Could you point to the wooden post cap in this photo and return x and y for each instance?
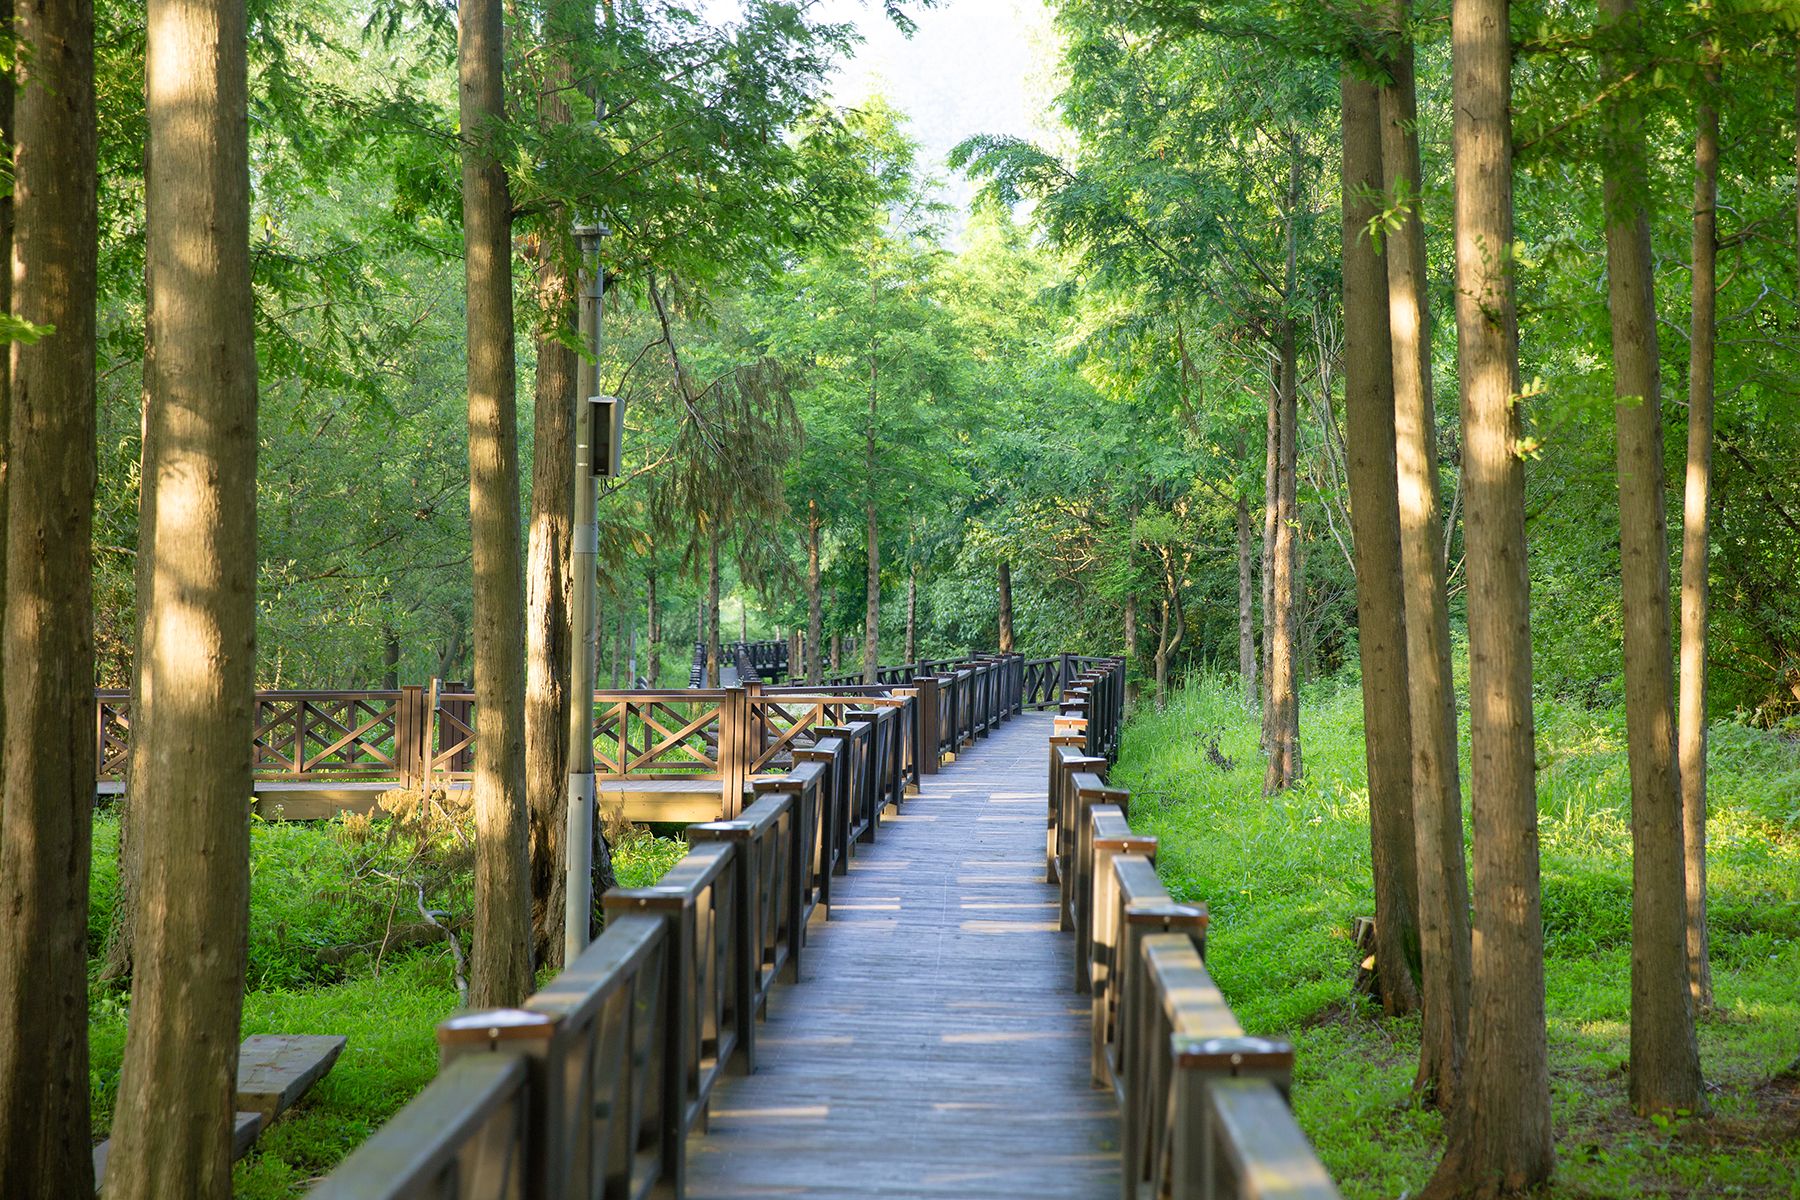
(493, 1026)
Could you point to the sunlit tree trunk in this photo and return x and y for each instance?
(547, 582)
(1665, 1060)
(1695, 596)
(837, 652)
(1375, 525)
(1006, 608)
(1246, 565)
(815, 625)
(1170, 628)
(1498, 1133)
(172, 1124)
(1271, 517)
(48, 641)
(1284, 698)
(500, 970)
(1441, 877)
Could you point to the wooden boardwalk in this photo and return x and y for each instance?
(935, 1046)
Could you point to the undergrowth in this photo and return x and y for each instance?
(1285, 877)
(323, 899)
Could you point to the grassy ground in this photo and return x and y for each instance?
(321, 902)
(1284, 878)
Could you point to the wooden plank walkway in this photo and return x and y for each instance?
(936, 1047)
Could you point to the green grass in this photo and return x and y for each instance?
(1285, 876)
(314, 891)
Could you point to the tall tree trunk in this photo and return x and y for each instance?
(1375, 525)
(1695, 597)
(1246, 563)
(713, 661)
(837, 652)
(1498, 1136)
(1665, 1058)
(48, 761)
(6, 306)
(500, 971)
(548, 585)
(1284, 749)
(1271, 517)
(1006, 608)
(912, 613)
(815, 626)
(1441, 877)
(172, 1124)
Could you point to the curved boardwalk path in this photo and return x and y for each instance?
(938, 1048)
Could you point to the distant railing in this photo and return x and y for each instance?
(1203, 1108)
(592, 1087)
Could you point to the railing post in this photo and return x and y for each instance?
(734, 744)
(531, 1036)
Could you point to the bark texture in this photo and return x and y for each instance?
(1498, 1135)
(1665, 1058)
(500, 970)
(1284, 698)
(48, 721)
(197, 653)
(1695, 540)
(547, 596)
(1441, 875)
(1375, 528)
(1271, 515)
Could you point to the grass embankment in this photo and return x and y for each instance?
(322, 902)
(1285, 877)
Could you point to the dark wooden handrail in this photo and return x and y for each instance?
(592, 1087)
(1203, 1107)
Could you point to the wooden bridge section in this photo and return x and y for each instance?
(978, 989)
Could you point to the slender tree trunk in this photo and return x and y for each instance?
(6, 306)
(837, 653)
(1284, 750)
(815, 627)
(548, 585)
(1665, 1059)
(1006, 608)
(1499, 1131)
(713, 658)
(912, 613)
(1246, 564)
(1131, 629)
(172, 1124)
(1695, 597)
(652, 632)
(872, 592)
(48, 763)
(618, 643)
(1441, 877)
(500, 972)
(1271, 517)
(1375, 523)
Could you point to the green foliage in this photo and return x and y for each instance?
(316, 893)
(1284, 878)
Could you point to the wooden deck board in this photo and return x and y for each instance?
(935, 1047)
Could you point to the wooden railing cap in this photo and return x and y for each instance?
(495, 1025)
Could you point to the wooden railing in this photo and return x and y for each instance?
(593, 1086)
(424, 737)
(1203, 1107)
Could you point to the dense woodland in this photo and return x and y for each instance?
(1446, 348)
